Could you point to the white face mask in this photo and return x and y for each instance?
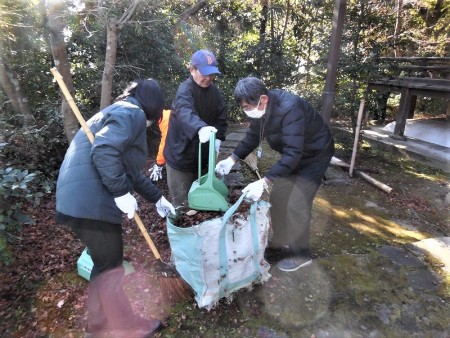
(255, 113)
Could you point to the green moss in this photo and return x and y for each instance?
(350, 289)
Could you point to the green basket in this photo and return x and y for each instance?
(85, 265)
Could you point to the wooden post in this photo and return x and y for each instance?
(357, 130)
(402, 115)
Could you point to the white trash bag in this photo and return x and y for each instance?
(220, 256)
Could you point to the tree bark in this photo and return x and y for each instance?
(110, 61)
(15, 94)
(113, 29)
(61, 60)
(192, 10)
(259, 60)
(335, 47)
(398, 27)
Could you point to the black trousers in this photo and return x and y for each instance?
(107, 303)
(292, 200)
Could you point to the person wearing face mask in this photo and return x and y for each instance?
(197, 110)
(95, 189)
(292, 127)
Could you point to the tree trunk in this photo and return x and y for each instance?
(113, 28)
(310, 40)
(262, 36)
(110, 61)
(398, 27)
(15, 94)
(61, 60)
(335, 48)
(355, 61)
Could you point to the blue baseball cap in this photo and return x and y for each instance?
(205, 62)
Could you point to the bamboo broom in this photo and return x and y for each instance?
(172, 285)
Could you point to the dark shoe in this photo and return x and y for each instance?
(141, 328)
(278, 247)
(293, 263)
(275, 254)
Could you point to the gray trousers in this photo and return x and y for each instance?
(292, 200)
(179, 183)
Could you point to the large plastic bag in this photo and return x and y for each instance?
(220, 256)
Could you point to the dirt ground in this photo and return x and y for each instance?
(366, 280)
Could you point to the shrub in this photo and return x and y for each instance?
(17, 188)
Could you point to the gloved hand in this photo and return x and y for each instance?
(254, 190)
(164, 207)
(156, 172)
(218, 142)
(127, 204)
(205, 132)
(224, 166)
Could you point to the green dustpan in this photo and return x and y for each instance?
(208, 192)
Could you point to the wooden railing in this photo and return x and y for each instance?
(411, 77)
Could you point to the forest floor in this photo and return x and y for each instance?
(371, 276)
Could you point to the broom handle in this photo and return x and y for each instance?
(144, 232)
(71, 102)
(90, 136)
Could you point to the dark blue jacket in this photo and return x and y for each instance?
(193, 107)
(92, 175)
(293, 128)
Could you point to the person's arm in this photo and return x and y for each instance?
(144, 187)
(109, 144)
(184, 108)
(293, 139)
(250, 141)
(156, 172)
(163, 126)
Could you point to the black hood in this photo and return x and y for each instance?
(150, 96)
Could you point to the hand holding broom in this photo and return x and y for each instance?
(172, 285)
(252, 161)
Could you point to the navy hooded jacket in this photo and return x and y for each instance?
(91, 176)
(293, 128)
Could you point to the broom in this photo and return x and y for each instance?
(172, 285)
(252, 161)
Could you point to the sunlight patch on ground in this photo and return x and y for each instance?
(439, 248)
(431, 178)
(385, 227)
(370, 224)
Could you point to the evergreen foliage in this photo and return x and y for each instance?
(286, 43)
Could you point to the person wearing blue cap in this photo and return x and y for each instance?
(197, 109)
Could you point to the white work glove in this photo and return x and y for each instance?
(156, 173)
(127, 204)
(224, 166)
(164, 207)
(254, 190)
(218, 142)
(205, 132)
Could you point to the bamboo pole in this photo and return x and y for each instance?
(58, 77)
(355, 144)
(371, 180)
